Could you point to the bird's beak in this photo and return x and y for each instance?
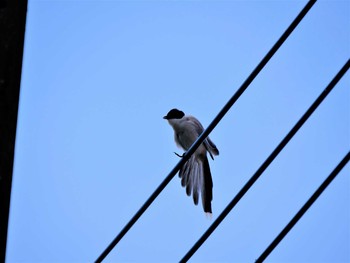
(165, 117)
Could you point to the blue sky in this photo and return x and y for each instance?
(92, 145)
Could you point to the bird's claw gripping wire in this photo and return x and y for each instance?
(179, 154)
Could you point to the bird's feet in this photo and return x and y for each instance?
(179, 155)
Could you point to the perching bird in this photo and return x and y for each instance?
(195, 174)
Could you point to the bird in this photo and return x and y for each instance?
(195, 173)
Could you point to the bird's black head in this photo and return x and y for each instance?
(174, 114)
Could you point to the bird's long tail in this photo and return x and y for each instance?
(196, 177)
(207, 186)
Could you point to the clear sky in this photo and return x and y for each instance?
(98, 76)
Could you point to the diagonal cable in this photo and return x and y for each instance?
(267, 162)
(206, 132)
(305, 207)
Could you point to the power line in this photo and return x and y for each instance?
(267, 162)
(305, 207)
(206, 132)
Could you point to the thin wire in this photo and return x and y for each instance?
(305, 207)
(267, 162)
(206, 132)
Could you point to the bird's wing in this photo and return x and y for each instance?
(209, 145)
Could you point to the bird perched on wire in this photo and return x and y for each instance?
(195, 173)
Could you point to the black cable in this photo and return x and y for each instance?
(267, 162)
(206, 132)
(305, 207)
